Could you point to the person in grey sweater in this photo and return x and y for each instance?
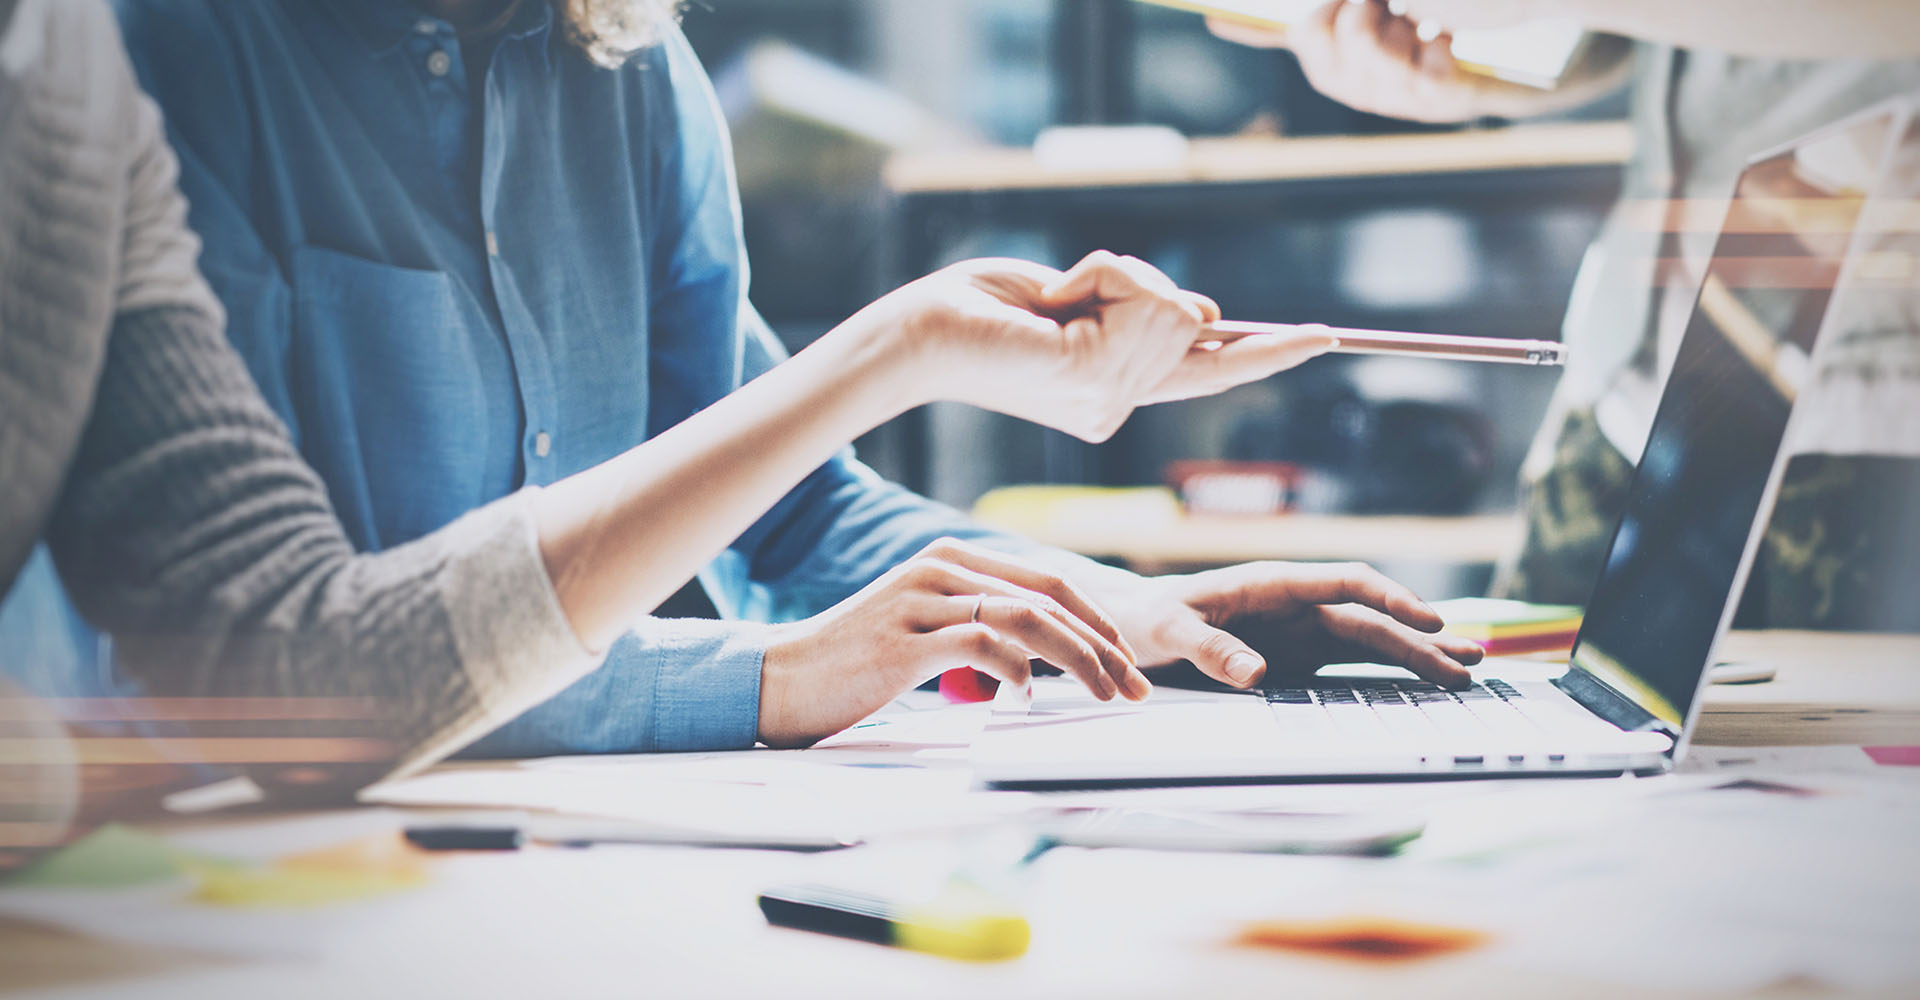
(183, 520)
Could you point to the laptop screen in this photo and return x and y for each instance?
(1669, 577)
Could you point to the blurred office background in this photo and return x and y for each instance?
(824, 94)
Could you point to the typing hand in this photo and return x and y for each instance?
(952, 605)
(1304, 616)
(1079, 350)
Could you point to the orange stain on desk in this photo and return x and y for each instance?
(1361, 938)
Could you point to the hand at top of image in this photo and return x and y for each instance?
(1369, 58)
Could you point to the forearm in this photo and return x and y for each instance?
(1781, 29)
(621, 537)
(192, 530)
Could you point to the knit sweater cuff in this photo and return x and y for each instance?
(515, 644)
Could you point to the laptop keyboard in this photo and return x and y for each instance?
(1407, 712)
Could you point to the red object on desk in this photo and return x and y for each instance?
(965, 684)
(1884, 756)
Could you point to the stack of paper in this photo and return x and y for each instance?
(1510, 628)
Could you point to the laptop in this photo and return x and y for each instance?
(1629, 697)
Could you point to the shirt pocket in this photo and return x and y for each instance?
(403, 392)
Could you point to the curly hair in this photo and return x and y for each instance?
(611, 31)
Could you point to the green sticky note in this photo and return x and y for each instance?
(112, 857)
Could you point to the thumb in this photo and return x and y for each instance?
(1098, 277)
(1217, 653)
(1205, 372)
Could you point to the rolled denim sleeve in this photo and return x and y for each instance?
(671, 685)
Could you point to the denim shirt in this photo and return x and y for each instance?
(452, 283)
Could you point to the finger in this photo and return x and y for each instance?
(1312, 42)
(1435, 58)
(1039, 580)
(1385, 640)
(1147, 276)
(1206, 371)
(1357, 23)
(1041, 632)
(1399, 40)
(1337, 583)
(1098, 277)
(1103, 277)
(977, 572)
(961, 589)
(982, 648)
(1209, 309)
(1227, 333)
(1462, 650)
(1249, 35)
(1217, 653)
(1327, 18)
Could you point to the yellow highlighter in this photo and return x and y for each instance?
(968, 928)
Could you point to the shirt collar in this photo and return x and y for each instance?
(380, 24)
(383, 24)
(533, 22)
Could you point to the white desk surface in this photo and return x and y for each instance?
(672, 922)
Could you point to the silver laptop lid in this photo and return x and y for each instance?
(1697, 505)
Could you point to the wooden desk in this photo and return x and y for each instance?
(1832, 688)
(681, 922)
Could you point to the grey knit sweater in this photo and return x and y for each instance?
(179, 513)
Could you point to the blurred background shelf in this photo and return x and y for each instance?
(1147, 530)
(1278, 203)
(1246, 159)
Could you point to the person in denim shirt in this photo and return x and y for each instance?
(470, 246)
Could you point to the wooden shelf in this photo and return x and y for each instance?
(1242, 160)
(1146, 527)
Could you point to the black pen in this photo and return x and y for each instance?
(971, 929)
(568, 833)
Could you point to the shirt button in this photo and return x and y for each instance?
(438, 62)
(493, 244)
(426, 26)
(542, 444)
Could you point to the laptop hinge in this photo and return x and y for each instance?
(1603, 701)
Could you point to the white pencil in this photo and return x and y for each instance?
(1442, 346)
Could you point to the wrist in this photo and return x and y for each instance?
(775, 694)
(783, 716)
(885, 358)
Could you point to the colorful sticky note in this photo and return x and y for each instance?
(112, 857)
(373, 866)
